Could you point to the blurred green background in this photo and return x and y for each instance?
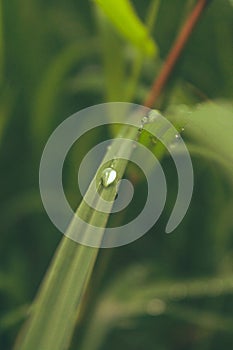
(162, 291)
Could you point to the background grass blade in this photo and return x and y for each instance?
(2, 48)
(124, 18)
(210, 128)
(131, 296)
(47, 94)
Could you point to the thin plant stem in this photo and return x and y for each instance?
(175, 52)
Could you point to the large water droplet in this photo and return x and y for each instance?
(108, 177)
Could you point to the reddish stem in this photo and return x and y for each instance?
(175, 53)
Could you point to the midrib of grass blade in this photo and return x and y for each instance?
(54, 312)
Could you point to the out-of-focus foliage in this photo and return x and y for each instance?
(210, 126)
(57, 57)
(123, 16)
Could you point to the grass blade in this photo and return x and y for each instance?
(54, 312)
(124, 18)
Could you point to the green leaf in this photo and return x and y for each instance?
(113, 59)
(11, 318)
(133, 294)
(124, 18)
(1, 44)
(55, 310)
(202, 318)
(44, 102)
(210, 127)
(7, 100)
(137, 64)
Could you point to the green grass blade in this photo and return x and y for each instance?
(54, 312)
(124, 18)
(1, 44)
(51, 84)
(210, 127)
(130, 295)
(139, 59)
(113, 59)
(13, 317)
(206, 319)
(7, 100)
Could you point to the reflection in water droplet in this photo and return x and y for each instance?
(108, 177)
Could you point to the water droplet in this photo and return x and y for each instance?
(144, 120)
(140, 128)
(150, 118)
(175, 141)
(153, 115)
(153, 140)
(108, 177)
(182, 129)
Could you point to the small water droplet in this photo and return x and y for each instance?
(182, 129)
(144, 120)
(153, 115)
(108, 177)
(175, 141)
(140, 128)
(150, 117)
(153, 140)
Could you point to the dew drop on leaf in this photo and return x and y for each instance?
(175, 141)
(108, 177)
(150, 118)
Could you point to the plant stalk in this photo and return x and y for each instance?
(174, 54)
